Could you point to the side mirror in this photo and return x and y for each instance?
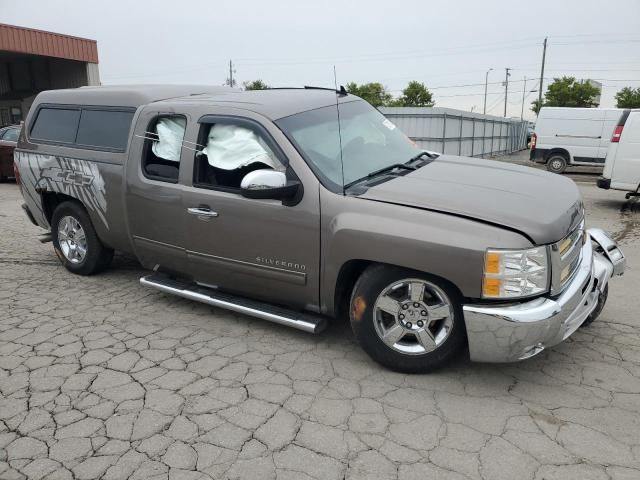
(265, 184)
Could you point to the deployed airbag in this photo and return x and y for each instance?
(230, 147)
(170, 132)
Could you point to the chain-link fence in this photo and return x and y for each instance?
(457, 132)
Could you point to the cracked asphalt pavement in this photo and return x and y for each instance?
(102, 378)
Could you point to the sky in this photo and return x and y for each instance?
(449, 46)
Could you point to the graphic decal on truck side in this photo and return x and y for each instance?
(79, 179)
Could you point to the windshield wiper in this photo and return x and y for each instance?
(419, 156)
(375, 173)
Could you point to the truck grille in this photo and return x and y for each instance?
(566, 256)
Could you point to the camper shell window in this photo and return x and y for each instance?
(104, 129)
(56, 125)
(88, 127)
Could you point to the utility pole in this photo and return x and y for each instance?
(524, 89)
(544, 54)
(230, 73)
(486, 80)
(506, 89)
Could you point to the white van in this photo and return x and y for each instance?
(572, 136)
(622, 167)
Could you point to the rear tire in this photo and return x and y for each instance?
(425, 328)
(557, 163)
(75, 240)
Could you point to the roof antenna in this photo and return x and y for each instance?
(338, 94)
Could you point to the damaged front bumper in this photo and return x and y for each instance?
(508, 333)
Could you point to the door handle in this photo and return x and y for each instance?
(202, 212)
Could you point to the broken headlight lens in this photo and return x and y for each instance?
(515, 273)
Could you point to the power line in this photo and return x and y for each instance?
(471, 94)
(495, 104)
(601, 42)
(500, 83)
(502, 45)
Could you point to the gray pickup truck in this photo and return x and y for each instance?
(298, 205)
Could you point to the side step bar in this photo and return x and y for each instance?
(306, 322)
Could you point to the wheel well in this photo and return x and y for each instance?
(51, 200)
(558, 151)
(349, 274)
(347, 277)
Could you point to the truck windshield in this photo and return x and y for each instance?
(369, 142)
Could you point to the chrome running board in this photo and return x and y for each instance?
(306, 322)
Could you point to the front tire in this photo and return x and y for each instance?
(75, 240)
(557, 163)
(407, 321)
(602, 300)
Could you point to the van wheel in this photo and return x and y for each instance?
(405, 320)
(557, 163)
(75, 240)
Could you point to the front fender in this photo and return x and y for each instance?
(440, 244)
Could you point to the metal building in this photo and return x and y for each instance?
(457, 132)
(35, 60)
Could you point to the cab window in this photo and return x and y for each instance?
(162, 148)
(226, 152)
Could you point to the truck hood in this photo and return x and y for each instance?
(543, 206)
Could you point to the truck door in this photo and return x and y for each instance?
(258, 248)
(153, 191)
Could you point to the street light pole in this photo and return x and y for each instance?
(486, 80)
(544, 55)
(506, 89)
(524, 89)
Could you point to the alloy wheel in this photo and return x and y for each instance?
(72, 239)
(413, 316)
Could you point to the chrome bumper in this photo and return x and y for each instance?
(507, 333)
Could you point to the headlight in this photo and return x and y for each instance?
(515, 273)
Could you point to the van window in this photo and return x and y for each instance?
(162, 148)
(227, 152)
(108, 129)
(56, 125)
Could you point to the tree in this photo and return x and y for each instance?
(569, 92)
(375, 93)
(415, 95)
(628, 98)
(255, 85)
(535, 107)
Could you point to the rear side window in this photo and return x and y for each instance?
(56, 125)
(163, 147)
(108, 129)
